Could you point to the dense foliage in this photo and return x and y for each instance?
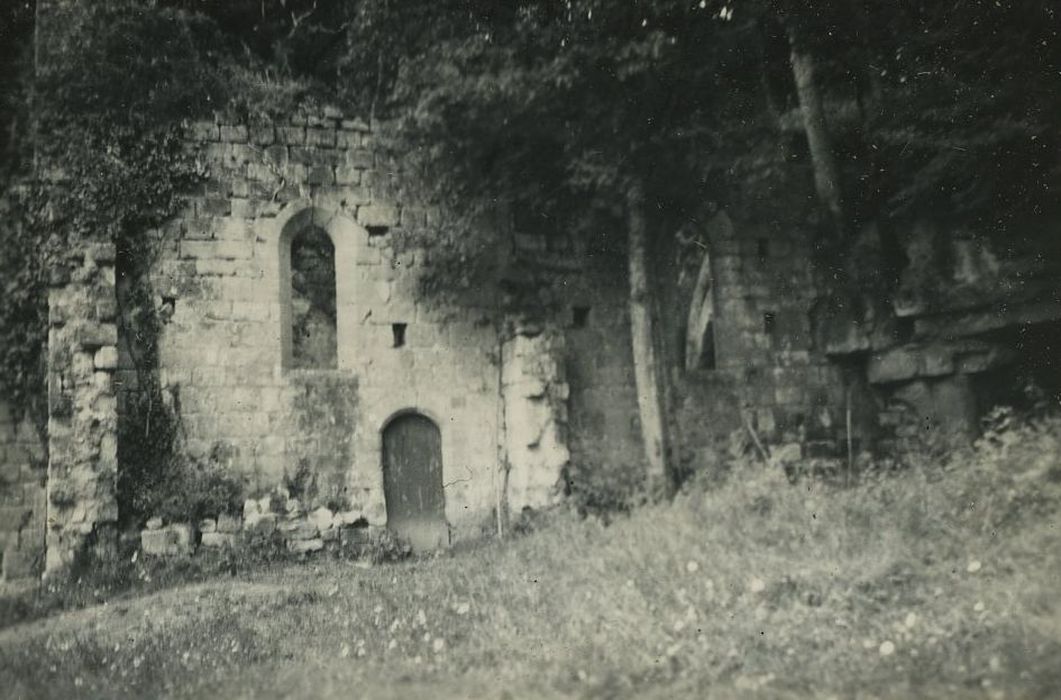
(549, 110)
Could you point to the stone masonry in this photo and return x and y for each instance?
(516, 402)
(223, 282)
(82, 407)
(23, 474)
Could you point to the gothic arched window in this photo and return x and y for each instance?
(313, 312)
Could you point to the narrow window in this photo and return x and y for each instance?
(769, 323)
(398, 330)
(579, 316)
(762, 250)
(707, 350)
(313, 314)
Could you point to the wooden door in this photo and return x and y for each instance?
(412, 482)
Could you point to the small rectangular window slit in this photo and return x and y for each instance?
(398, 329)
(769, 322)
(762, 250)
(374, 231)
(579, 316)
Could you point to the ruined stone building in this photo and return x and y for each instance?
(294, 336)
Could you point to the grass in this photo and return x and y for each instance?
(937, 581)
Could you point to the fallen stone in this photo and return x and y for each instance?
(154, 523)
(300, 546)
(218, 540)
(299, 530)
(157, 543)
(227, 523)
(184, 537)
(321, 518)
(347, 517)
(331, 534)
(251, 506)
(293, 506)
(207, 525)
(260, 524)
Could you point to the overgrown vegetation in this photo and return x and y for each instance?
(103, 161)
(555, 112)
(936, 582)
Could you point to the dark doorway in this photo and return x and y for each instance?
(412, 482)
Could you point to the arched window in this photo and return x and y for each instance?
(313, 313)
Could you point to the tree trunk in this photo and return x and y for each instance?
(826, 176)
(647, 376)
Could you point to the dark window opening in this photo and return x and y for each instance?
(858, 311)
(707, 350)
(769, 323)
(374, 231)
(398, 330)
(579, 316)
(904, 329)
(313, 307)
(762, 250)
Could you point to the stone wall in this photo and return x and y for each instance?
(222, 284)
(23, 473)
(972, 321)
(768, 376)
(82, 406)
(535, 393)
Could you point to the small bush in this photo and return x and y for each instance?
(191, 490)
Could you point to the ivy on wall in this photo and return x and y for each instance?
(102, 156)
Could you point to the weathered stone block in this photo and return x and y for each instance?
(291, 135)
(234, 134)
(207, 525)
(227, 523)
(106, 358)
(377, 215)
(94, 335)
(354, 124)
(204, 131)
(303, 546)
(215, 206)
(19, 562)
(321, 518)
(896, 365)
(219, 540)
(259, 524)
(157, 543)
(347, 175)
(299, 530)
(347, 518)
(320, 175)
(320, 137)
(359, 158)
(263, 135)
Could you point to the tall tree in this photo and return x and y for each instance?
(608, 116)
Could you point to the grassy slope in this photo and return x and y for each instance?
(938, 582)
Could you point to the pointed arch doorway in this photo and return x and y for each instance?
(412, 481)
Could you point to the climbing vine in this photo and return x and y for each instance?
(102, 157)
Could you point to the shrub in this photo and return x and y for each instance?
(190, 490)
